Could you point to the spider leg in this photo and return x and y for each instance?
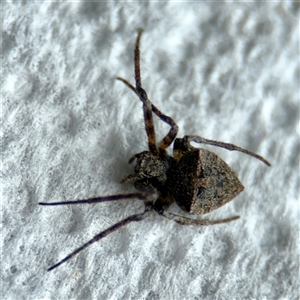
(147, 106)
(169, 138)
(230, 147)
(162, 205)
(148, 199)
(137, 69)
(101, 235)
(140, 196)
(200, 222)
(128, 84)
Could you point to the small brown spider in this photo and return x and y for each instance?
(196, 179)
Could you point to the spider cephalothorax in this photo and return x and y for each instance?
(196, 179)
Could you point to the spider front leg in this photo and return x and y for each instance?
(147, 105)
(169, 138)
(148, 108)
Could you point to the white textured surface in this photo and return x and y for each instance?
(226, 71)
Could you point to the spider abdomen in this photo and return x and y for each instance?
(202, 182)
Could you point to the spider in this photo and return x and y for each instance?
(196, 179)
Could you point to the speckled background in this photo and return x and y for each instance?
(226, 71)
